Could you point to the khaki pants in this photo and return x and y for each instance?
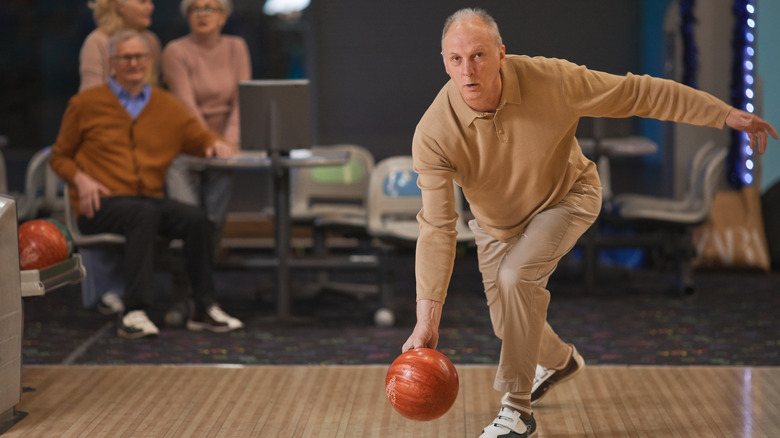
(515, 275)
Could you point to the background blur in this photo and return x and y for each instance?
(375, 66)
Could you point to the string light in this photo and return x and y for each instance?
(743, 90)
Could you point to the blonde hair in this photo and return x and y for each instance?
(106, 16)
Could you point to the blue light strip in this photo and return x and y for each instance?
(741, 165)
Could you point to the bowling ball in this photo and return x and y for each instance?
(65, 232)
(41, 244)
(422, 384)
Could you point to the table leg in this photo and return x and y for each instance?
(282, 241)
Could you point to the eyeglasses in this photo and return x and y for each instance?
(204, 11)
(126, 59)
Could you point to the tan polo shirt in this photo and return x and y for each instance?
(524, 158)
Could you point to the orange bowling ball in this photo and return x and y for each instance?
(41, 244)
(422, 384)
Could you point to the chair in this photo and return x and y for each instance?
(169, 250)
(334, 192)
(394, 199)
(88, 240)
(43, 191)
(667, 224)
(333, 200)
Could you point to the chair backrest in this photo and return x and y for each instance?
(43, 190)
(332, 190)
(87, 240)
(708, 177)
(696, 169)
(394, 199)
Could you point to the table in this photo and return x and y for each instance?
(280, 169)
(623, 146)
(601, 149)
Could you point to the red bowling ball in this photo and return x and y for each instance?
(422, 384)
(41, 244)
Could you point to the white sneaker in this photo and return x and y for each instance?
(509, 424)
(213, 319)
(136, 324)
(110, 304)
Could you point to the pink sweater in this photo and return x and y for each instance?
(206, 80)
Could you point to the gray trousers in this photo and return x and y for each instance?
(515, 275)
(188, 185)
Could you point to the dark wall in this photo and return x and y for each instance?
(375, 66)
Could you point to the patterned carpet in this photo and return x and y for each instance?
(631, 318)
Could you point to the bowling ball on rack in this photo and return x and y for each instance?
(422, 384)
(65, 232)
(41, 244)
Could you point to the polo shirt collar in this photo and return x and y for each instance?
(510, 93)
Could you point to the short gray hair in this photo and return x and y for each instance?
(122, 36)
(468, 13)
(226, 5)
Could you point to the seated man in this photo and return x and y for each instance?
(114, 147)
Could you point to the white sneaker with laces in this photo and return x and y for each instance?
(136, 324)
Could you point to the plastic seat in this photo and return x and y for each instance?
(667, 224)
(335, 193)
(43, 190)
(693, 207)
(88, 240)
(332, 200)
(169, 251)
(395, 199)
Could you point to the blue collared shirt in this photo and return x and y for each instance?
(133, 104)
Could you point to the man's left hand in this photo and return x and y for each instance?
(222, 149)
(757, 129)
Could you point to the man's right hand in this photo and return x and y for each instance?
(426, 331)
(89, 190)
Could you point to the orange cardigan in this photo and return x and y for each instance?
(130, 157)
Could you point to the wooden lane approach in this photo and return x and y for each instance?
(349, 401)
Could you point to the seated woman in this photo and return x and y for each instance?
(203, 69)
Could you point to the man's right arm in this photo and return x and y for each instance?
(63, 163)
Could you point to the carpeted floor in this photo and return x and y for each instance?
(631, 318)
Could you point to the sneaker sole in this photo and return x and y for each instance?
(580, 367)
(199, 327)
(135, 335)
